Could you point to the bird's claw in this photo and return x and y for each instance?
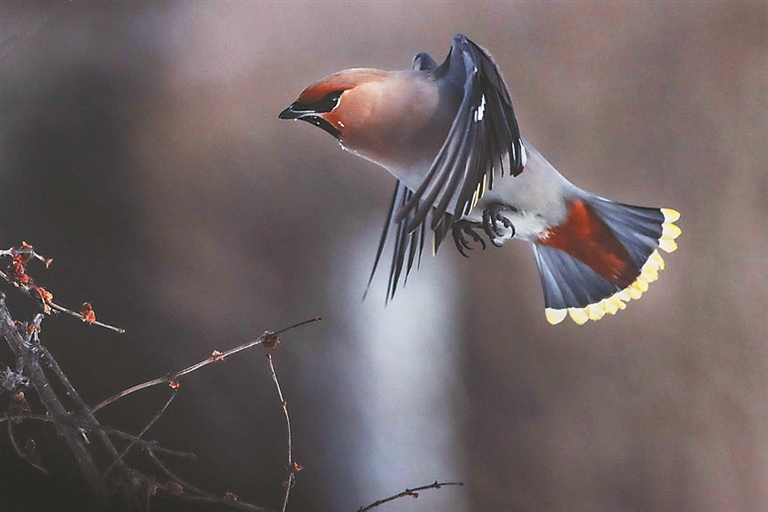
(461, 230)
(496, 225)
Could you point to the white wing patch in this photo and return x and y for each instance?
(480, 111)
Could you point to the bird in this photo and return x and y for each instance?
(450, 136)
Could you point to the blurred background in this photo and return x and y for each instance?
(140, 148)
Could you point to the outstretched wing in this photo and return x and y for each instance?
(483, 142)
(408, 244)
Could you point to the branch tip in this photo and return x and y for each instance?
(414, 493)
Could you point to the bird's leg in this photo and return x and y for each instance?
(463, 228)
(496, 225)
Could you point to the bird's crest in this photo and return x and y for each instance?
(341, 81)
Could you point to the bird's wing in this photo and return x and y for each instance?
(483, 142)
(409, 244)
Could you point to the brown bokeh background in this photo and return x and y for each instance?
(140, 148)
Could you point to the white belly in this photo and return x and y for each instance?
(536, 198)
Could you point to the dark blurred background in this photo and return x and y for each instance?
(140, 148)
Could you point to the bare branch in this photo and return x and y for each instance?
(87, 426)
(90, 420)
(62, 309)
(408, 492)
(293, 468)
(35, 364)
(21, 280)
(143, 431)
(172, 378)
(200, 495)
(53, 405)
(172, 476)
(23, 454)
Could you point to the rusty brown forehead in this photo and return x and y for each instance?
(341, 81)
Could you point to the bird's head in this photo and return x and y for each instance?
(337, 102)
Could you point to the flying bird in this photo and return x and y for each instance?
(449, 134)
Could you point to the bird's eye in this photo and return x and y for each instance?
(326, 104)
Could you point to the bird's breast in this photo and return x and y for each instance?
(536, 199)
(400, 123)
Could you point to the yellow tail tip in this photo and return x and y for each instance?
(670, 215)
(648, 274)
(614, 303)
(555, 316)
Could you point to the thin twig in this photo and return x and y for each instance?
(149, 445)
(172, 476)
(202, 495)
(58, 307)
(408, 492)
(32, 356)
(292, 469)
(140, 434)
(216, 356)
(26, 284)
(32, 367)
(62, 309)
(86, 426)
(21, 453)
(90, 419)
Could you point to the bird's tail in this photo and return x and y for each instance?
(602, 256)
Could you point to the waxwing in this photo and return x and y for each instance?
(449, 135)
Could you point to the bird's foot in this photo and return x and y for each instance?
(496, 225)
(463, 229)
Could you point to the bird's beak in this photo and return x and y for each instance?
(311, 117)
(290, 113)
